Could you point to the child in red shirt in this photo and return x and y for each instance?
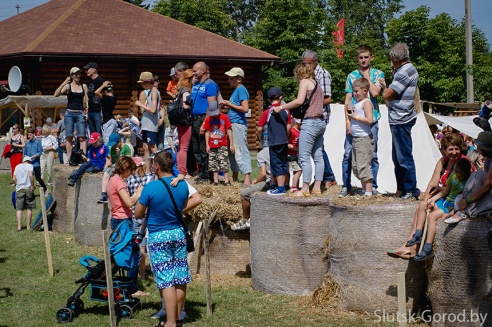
(217, 128)
(292, 158)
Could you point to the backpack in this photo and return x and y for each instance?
(175, 112)
(300, 111)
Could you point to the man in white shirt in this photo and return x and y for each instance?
(24, 191)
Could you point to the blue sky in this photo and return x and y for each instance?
(480, 9)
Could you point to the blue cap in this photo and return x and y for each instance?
(113, 139)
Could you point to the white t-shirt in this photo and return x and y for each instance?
(21, 173)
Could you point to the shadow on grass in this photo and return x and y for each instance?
(5, 292)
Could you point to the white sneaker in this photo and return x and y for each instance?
(240, 225)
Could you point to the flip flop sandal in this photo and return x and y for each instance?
(405, 256)
(316, 192)
(301, 194)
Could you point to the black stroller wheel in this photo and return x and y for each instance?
(125, 311)
(77, 306)
(64, 315)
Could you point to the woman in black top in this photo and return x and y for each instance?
(77, 102)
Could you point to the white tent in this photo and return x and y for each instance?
(425, 151)
(463, 124)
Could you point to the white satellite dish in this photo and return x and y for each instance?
(15, 79)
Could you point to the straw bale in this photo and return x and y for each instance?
(367, 277)
(65, 199)
(460, 274)
(229, 252)
(287, 240)
(219, 203)
(90, 218)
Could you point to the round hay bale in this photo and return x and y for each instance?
(65, 199)
(359, 237)
(287, 240)
(90, 217)
(460, 274)
(229, 252)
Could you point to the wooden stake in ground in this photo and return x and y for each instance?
(424, 234)
(402, 300)
(46, 232)
(208, 286)
(109, 276)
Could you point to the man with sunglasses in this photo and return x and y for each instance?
(376, 79)
(95, 106)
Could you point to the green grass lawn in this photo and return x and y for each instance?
(29, 297)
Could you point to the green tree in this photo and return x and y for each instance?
(437, 48)
(210, 15)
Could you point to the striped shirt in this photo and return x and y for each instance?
(375, 75)
(401, 108)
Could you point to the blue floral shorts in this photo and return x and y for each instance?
(167, 252)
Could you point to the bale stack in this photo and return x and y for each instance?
(287, 240)
(460, 274)
(65, 199)
(359, 237)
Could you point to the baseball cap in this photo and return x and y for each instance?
(94, 137)
(274, 92)
(213, 108)
(91, 65)
(26, 158)
(113, 139)
(138, 161)
(48, 120)
(74, 70)
(146, 77)
(173, 72)
(236, 71)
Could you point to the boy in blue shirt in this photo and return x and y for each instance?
(278, 122)
(96, 160)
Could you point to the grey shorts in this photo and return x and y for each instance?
(25, 199)
(258, 187)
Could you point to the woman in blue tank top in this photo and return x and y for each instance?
(77, 102)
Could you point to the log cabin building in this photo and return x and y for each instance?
(124, 40)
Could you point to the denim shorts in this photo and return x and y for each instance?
(445, 205)
(74, 120)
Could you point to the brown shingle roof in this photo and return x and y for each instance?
(113, 28)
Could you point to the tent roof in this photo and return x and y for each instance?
(114, 28)
(463, 124)
(33, 101)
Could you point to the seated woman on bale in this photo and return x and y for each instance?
(477, 196)
(451, 145)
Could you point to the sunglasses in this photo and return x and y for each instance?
(15, 127)
(364, 57)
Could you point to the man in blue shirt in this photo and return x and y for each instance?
(33, 149)
(203, 91)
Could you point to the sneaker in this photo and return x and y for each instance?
(375, 191)
(215, 184)
(276, 192)
(240, 225)
(103, 199)
(409, 196)
(343, 192)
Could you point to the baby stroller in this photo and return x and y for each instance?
(125, 255)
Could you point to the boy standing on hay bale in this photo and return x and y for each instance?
(217, 128)
(444, 200)
(361, 118)
(278, 123)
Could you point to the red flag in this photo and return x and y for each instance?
(339, 37)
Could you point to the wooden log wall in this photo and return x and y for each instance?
(45, 74)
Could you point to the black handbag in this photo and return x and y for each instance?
(300, 112)
(190, 246)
